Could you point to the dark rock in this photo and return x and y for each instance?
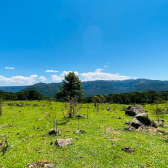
(63, 142)
(53, 132)
(143, 118)
(128, 122)
(128, 149)
(133, 110)
(136, 123)
(79, 116)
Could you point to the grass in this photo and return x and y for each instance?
(26, 129)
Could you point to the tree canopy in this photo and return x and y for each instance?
(71, 88)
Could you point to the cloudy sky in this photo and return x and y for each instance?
(41, 41)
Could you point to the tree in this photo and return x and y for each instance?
(71, 88)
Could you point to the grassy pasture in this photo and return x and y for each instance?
(26, 129)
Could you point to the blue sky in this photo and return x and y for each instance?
(41, 41)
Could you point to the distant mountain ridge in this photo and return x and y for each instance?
(13, 89)
(97, 87)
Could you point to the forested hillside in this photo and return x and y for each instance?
(105, 87)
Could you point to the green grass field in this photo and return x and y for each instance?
(26, 129)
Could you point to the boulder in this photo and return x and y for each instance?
(143, 118)
(63, 142)
(136, 123)
(133, 110)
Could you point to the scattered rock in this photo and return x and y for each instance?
(54, 132)
(63, 142)
(128, 149)
(41, 164)
(151, 130)
(2, 135)
(109, 108)
(133, 110)
(128, 122)
(79, 131)
(77, 138)
(129, 128)
(19, 105)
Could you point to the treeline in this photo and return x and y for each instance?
(132, 98)
(22, 95)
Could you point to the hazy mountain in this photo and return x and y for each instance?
(104, 87)
(96, 87)
(13, 89)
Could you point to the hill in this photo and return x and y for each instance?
(13, 89)
(104, 87)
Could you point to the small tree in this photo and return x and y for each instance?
(71, 88)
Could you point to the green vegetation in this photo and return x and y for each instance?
(101, 87)
(22, 95)
(26, 134)
(71, 88)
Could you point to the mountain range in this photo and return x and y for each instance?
(92, 88)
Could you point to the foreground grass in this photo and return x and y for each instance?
(26, 129)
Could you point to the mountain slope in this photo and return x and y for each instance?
(13, 89)
(104, 87)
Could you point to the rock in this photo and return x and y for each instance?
(133, 110)
(19, 105)
(153, 123)
(63, 142)
(109, 108)
(129, 128)
(143, 118)
(54, 132)
(79, 131)
(4, 125)
(136, 123)
(79, 116)
(128, 122)
(41, 164)
(2, 135)
(128, 149)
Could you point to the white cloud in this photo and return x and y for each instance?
(42, 78)
(105, 66)
(56, 78)
(9, 68)
(66, 72)
(98, 75)
(19, 79)
(51, 71)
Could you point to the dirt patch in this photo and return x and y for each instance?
(112, 130)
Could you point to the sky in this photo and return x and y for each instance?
(41, 41)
